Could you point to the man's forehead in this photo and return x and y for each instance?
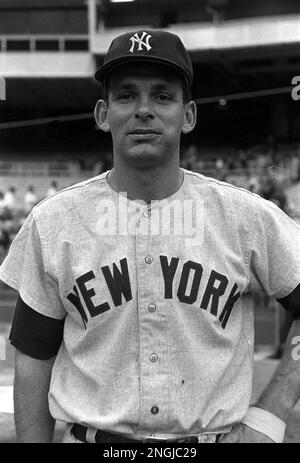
(150, 71)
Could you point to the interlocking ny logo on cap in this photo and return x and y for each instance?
(142, 41)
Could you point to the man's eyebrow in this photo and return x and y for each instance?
(164, 86)
(125, 86)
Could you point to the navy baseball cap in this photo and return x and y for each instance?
(155, 46)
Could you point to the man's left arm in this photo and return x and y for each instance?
(282, 393)
(274, 265)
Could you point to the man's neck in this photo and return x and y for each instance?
(147, 185)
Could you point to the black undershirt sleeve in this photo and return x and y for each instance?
(292, 303)
(35, 334)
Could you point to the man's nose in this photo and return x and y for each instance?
(144, 109)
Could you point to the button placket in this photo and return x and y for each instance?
(152, 365)
(151, 308)
(153, 357)
(154, 410)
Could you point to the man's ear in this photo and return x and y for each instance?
(190, 117)
(100, 114)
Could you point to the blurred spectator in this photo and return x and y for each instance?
(6, 214)
(243, 160)
(230, 163)
(4, 241)
(106, 159)
(295, 169)
(4, 238)
(10, 198)
(200, 165)
(219, 164)
(190, 158)
(98, 167)
(30, 199)
(254, 184)
(272, 190)
(2, 204)
(53, 188)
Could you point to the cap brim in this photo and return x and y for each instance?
(108, 67)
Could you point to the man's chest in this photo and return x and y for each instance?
(100, 276)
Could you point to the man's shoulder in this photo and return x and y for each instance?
(74, 197)
(224, 195)
(217, 187)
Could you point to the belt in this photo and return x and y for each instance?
(105, 437)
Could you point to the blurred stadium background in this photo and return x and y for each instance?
(245, 55)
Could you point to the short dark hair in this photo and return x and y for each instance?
(186, 90)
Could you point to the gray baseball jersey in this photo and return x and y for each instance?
(159, 330)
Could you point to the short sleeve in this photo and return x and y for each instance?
(275, 251)
(26, 268)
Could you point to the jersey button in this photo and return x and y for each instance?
(154, 410)
(147, 213)
(152, 308)
(153, 358)
(148, 259)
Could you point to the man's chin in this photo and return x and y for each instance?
(144, 157)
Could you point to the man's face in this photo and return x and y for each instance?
(146, 114)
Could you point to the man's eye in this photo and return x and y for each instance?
(124, 96)
(164, 97)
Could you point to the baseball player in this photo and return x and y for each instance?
(134, 320)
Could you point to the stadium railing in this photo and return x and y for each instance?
(44, 42)
(41, 169)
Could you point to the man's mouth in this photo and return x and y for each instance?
(144, 135)
(144, 132)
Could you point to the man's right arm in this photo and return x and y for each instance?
(33, 420)
(37, 339)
